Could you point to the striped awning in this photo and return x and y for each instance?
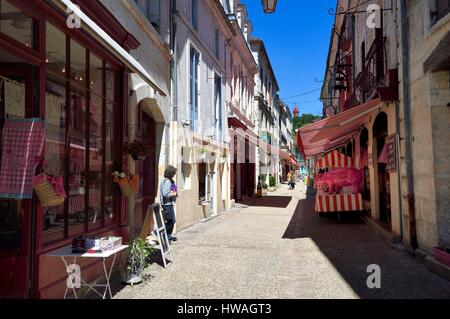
(338, 203)
(335, 159)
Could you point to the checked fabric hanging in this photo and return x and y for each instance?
(23, 142)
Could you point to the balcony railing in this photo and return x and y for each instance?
(371, 77)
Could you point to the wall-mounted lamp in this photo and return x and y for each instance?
(187, 122)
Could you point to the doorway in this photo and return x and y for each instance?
(146, 168)
(380, 132)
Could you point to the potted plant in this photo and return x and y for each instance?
(139, 251)
(259, 188)
(272, 183)
(138, 150)
(442, 255)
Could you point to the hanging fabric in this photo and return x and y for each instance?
(23, 142)
(364, 158)
(383, 158)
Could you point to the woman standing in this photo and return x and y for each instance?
(168, 197)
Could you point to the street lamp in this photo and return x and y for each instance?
(269, 5)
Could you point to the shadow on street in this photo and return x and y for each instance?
(268, 201)
(351, 246)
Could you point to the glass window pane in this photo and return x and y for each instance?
(109, 158)
(96, 66)
(111, 78)
(77, 63)
(55, 45)
(77, 168)
(55, 153)
(95, 160)
(16, 24)
(12, 102)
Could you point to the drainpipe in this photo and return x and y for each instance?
(407, 123)
(399, 178)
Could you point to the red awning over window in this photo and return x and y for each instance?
(331, 132)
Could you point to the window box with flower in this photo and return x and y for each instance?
(138, 150)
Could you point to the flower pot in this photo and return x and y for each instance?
(441, 256)
(133, 280)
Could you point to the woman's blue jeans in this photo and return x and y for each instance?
(169, 216)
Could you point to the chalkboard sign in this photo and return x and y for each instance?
(391, 164)
(161, 231)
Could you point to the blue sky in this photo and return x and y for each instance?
(296, 37)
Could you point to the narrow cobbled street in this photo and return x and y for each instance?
(276, 247)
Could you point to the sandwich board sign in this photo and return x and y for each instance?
(161, 231)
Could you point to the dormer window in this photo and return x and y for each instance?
(152, 11)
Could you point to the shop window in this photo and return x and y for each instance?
(77, 64)
(77, 166)
(96, 75)
(16, 24)
(12, 103)
(109, 163)
(55, 154)
(96, 152)
(88, 118)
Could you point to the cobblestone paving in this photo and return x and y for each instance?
(278, 248)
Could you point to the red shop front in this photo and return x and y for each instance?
(65, 76)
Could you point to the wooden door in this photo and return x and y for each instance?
(146, 168)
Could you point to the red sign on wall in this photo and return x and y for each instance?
(391, 164)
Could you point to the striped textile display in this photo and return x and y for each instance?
(335, 159)
(338, 203)
(22, 145)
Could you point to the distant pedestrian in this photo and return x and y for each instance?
(289, 179)
(292, 180)
(168, 197)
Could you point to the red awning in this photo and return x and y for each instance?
(293, 162)
(331, 132)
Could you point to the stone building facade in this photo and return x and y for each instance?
(401, 64)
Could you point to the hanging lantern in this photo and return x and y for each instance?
(269, 6)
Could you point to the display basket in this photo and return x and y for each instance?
(45, 191)
(129, 186)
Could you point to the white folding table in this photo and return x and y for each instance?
(66, 252)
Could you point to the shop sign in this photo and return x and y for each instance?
(391, 164)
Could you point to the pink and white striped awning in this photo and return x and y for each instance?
(335, 159)
(324, 135)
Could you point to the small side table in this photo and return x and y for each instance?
(66, 252)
